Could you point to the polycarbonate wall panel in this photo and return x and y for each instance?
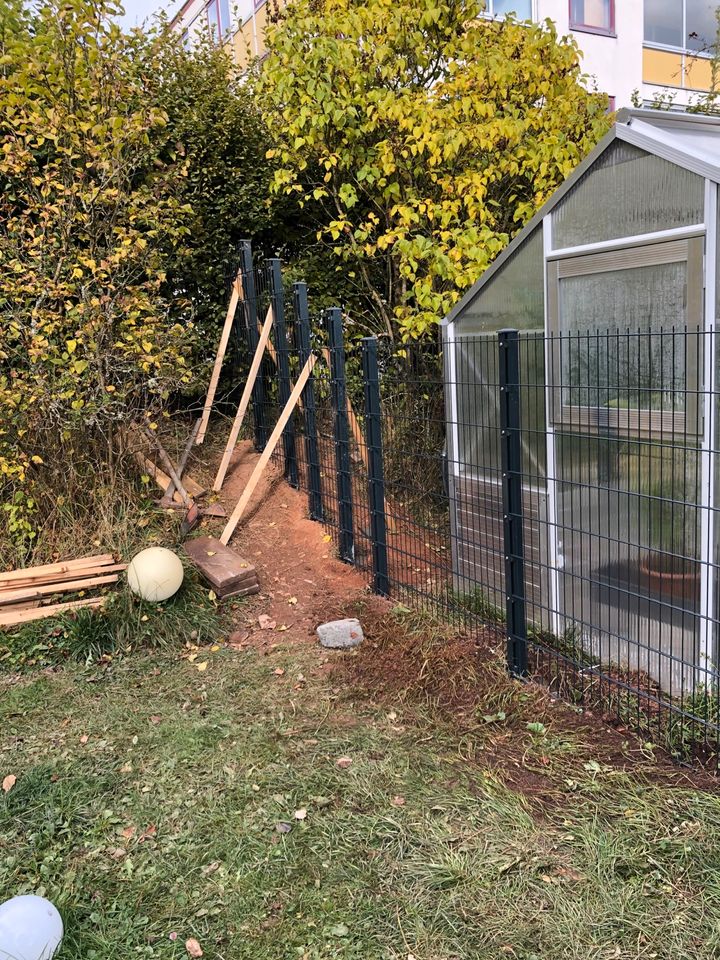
(625, 193)
(514, 297)
(477, 393)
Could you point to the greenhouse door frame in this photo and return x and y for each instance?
(705, 277)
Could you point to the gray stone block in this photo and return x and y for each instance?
(340, 634)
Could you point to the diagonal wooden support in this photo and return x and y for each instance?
(268, 451)
(222, 348)
(244, 401)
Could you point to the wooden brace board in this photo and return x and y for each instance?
(244, 400)
(235, 296)
(268, 451)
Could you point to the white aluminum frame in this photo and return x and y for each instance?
(708, 574)
(550, 470)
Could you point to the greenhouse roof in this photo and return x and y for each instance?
(691, 141)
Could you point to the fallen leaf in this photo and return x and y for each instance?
(155, 719)
(398, 801)
(327, 538)
(214, 648)
(343, 762)
(172, 935)
(210, 868)
(128, 832)
(283, 827)
(9, 782)
(202, 666)
(211, 596)
(193, 947)
(300, 814)
(283, 626)
(266, 623)
(211, 553)
(144, 618)
(279, 672)
(149, 832)
(292, 601)
(84, 739)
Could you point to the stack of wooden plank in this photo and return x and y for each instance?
(31, 594)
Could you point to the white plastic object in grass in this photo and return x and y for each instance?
(155, 574)
(30, 929)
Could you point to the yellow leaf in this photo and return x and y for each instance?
(202, 666)
(37, 459)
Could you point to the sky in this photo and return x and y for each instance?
(136, 11)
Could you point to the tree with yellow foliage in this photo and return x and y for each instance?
(425, 134)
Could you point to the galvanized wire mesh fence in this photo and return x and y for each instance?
(562, 487)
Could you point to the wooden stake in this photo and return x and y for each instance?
(220, 356)
(268, 451)
(167, 463)
(14, 618)
(170, 489)
(244, 400)
(163, 480)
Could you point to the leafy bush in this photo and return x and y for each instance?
(129, 169)
(425, 136)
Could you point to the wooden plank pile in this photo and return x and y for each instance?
(31, 594)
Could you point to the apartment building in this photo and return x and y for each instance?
(646, 49)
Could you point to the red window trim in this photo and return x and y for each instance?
(589, 28)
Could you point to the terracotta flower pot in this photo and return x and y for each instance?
(671, 576)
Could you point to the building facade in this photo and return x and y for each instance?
(636, 51)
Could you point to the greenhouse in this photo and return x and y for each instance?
(613, 287)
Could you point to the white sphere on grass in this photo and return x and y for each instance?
(30, 929)
(155, 574)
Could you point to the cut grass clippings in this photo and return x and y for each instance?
(246, 800)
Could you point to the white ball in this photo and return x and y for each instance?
(30, 929)
(155, 574)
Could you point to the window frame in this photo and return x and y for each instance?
(589, 28)
(631, 421)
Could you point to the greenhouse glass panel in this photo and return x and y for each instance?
(627, 192)
(514, 296)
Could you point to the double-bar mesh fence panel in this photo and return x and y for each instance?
(561, 488)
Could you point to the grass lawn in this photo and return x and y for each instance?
(163, 797)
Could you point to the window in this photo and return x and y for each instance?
(218, 14)
(685, 24)
(521, 9)
(593, 15)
